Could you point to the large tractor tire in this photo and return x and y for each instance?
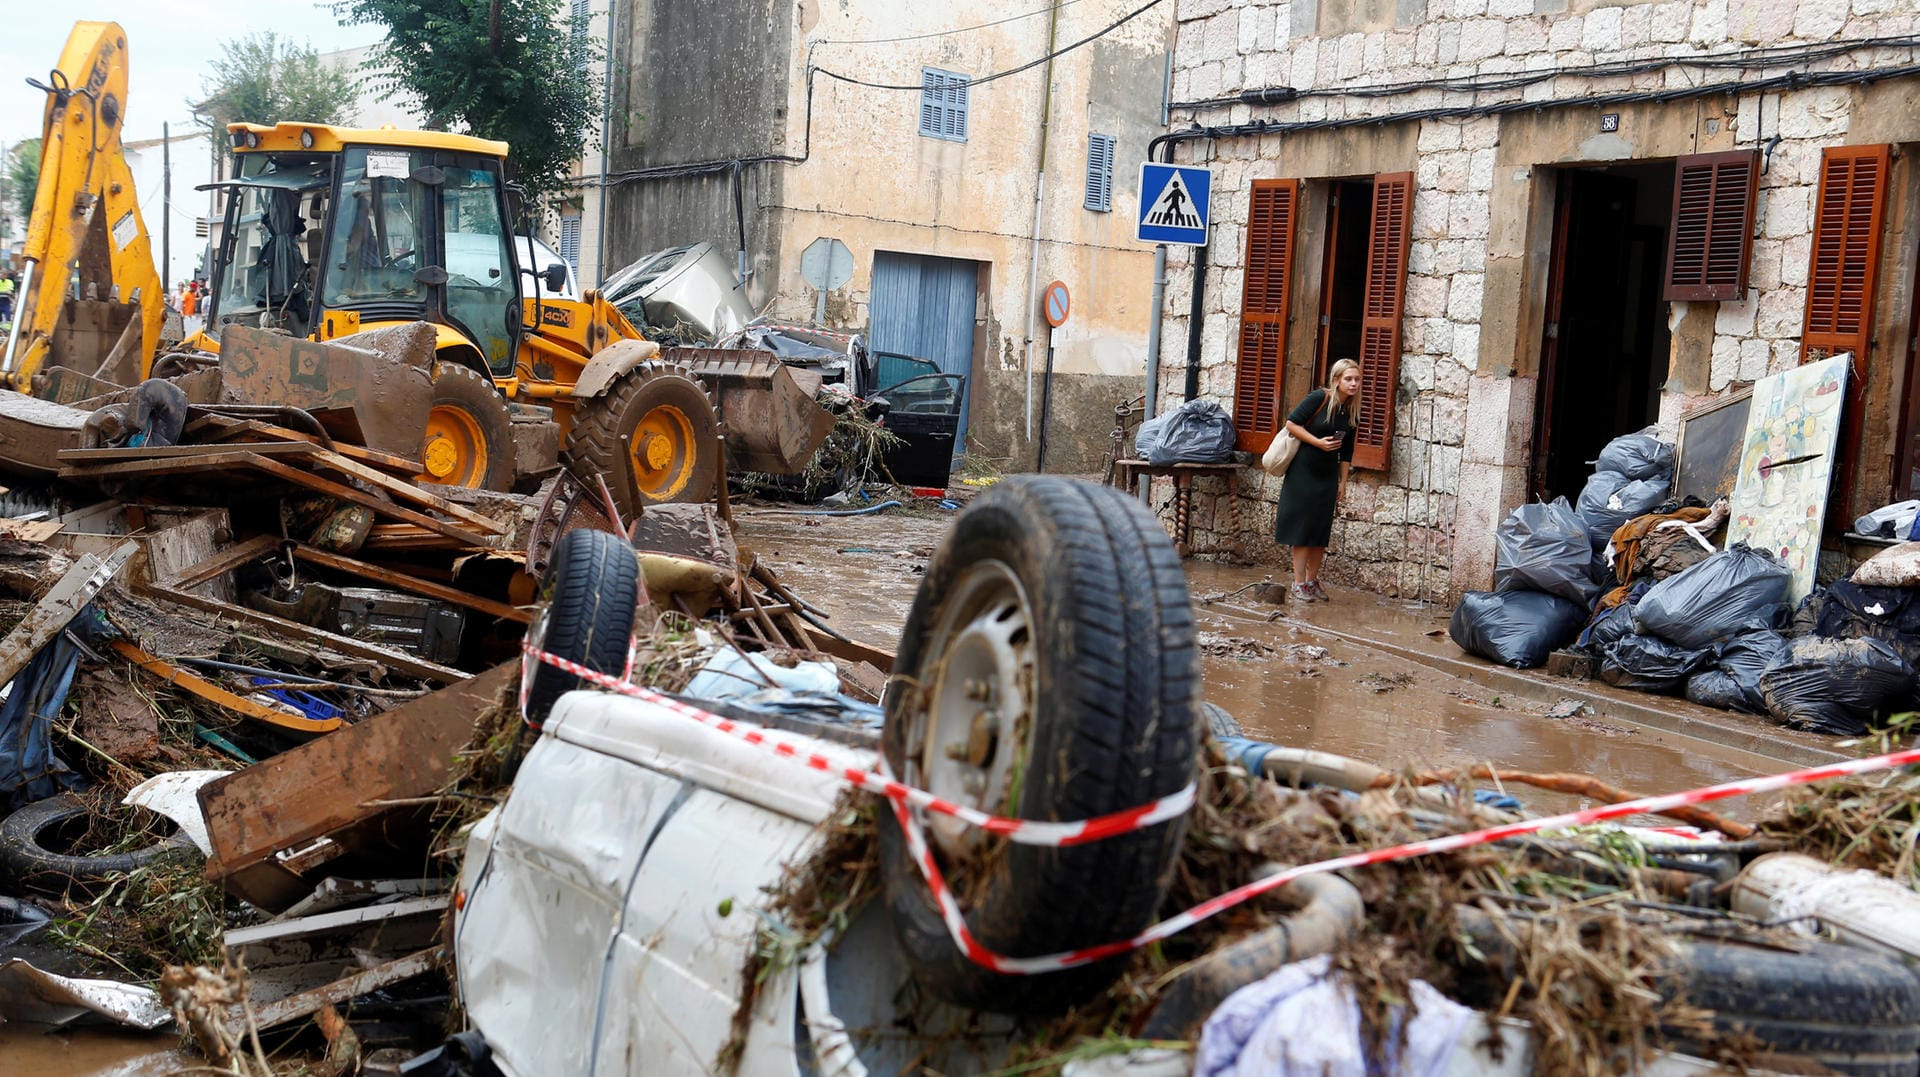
(469, 433)
(652, 435)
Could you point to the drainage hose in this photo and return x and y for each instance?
(1331, 912)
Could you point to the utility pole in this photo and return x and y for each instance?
(166, 212)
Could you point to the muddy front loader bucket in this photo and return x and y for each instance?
(773, 424)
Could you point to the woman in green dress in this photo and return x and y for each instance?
(1316, 481)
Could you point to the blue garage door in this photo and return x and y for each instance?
(923, 306)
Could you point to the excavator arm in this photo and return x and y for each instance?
(86, 227)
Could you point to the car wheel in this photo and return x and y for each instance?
(1051, 646)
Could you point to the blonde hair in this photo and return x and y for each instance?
(1333, 393)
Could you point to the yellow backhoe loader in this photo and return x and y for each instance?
(332, 231)
(89, 296)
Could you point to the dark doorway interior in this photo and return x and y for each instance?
(1606, 351)
(1343, 280)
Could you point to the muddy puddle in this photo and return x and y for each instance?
(92, 1052)
(1284, 684)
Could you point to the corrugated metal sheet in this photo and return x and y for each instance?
(923, 306)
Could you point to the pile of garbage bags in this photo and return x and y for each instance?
(1716, 626)
(1196, 432)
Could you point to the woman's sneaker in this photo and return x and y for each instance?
(1317, 592)
(1303, 592)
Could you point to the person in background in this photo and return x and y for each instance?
(6, 299)
(1316, 482)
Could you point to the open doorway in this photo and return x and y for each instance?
(1343, 288)
(1606, 350)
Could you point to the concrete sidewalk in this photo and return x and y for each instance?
(1418, 634)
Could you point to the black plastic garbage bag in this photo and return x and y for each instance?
(1637, 456)
(1543, 547)
(1835, 685)
(1515, 628)
(1651, 664)
(1196, 432)
(1716, 599)
(1712, 688)
(1888, 614)
(1606, 628)
(1742, 660)
(1610, 499)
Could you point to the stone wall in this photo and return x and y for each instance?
(1482, 228)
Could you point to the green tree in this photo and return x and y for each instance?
(263, 78)
(510, 70)
(22, 179)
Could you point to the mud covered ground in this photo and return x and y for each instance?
(1283, 681)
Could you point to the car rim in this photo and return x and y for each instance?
(661, 451)
(969, 744)
(455, 453)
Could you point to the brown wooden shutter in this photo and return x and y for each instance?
(1380, 318)
(1712, 237)
(1846, 253)
(1259, 375)
(1841, 279)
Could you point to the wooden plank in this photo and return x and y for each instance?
(219, 696)
(214, 461)
(407, 490)
(280, 1011)
(54, 612)
(170, 452)
(361, 497)
(325, 786)
(226, 561)
(226, 428)
(399, 661)
(29, 530)
(404, 582)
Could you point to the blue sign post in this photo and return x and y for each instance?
(1173, 204)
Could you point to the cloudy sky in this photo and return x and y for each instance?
(170, 44)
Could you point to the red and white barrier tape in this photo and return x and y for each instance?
(905, 798)
(1023, 831)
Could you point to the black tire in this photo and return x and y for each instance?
(1852, 1010)
(30, 837)
(1219, 722)
(592, 596)
(471, 416)
(665, 395)
(1113, 669)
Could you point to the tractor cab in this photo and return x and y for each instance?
(332, 230)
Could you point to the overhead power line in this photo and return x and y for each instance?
(1028, 66)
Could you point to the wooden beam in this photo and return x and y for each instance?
(399, 661)
(226, 561)
(406, 490)
(404, 582)
(361, 497)
(219, 696)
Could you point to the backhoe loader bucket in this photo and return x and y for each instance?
(773, 424)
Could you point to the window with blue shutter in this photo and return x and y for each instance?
(1100, 173)
(943, 105)
(582, 10)
(570, 241)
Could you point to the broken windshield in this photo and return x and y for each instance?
(376, 241)
(267, 280)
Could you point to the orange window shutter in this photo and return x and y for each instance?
(1846, 253)
(1258, 374)
(1380, 318)
(1841, 280)
(1711, 242)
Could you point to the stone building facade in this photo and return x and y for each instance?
(767, 126)
(1550, 158)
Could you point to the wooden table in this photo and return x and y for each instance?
(1126, 471)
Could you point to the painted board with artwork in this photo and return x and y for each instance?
(1786, 466)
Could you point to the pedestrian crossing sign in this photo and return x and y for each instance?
(1173, 203)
